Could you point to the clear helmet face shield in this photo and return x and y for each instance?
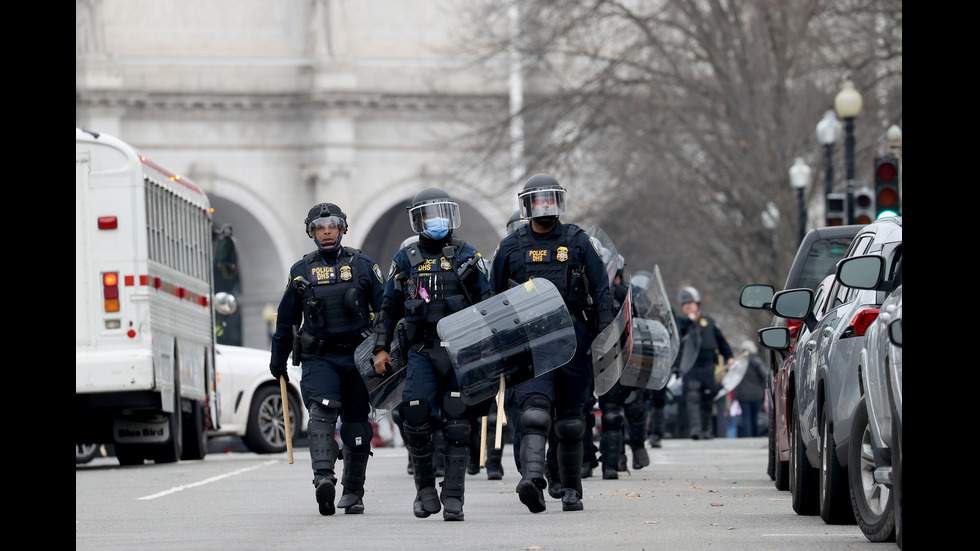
(325, 222)
(542, 202)
(434, 216)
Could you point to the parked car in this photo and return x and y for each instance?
(815, 259)
(826, 362)
(875, 461)
(250, 400)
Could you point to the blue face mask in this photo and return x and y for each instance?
(437, 228)
(336, 245)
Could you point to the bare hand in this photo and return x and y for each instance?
(381, 362)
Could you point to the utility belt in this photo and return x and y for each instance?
(310, 344)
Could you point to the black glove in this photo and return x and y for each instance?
(279, 371)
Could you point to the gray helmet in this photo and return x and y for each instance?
(433, 203)
(689, 294)
(515, 222)
(325, 211)
(541, 197)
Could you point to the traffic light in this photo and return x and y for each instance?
(864, 206)
(887, 201)
(836, 209)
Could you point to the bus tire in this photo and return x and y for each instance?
(195, 433)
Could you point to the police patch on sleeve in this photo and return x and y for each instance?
(377, 274)
(391, 270)
(481, 265)
(595, 245)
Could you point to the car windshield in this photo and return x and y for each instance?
(821, 261)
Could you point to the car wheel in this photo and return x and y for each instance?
(266, 432)
(782, 471)
(897, 477)
(85, 453)
(835, 501)
(803, 477)
(871, 501)
(771, 469)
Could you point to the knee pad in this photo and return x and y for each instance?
(357, 436)
(414, 412)
(635, 410)
(456, 432)
(535, 420)
(453, 406)
(613, 418)
(322, 414)
(570, 429)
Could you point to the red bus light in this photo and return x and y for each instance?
(108, 223)
(110, 291)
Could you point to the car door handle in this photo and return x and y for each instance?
(810, 345)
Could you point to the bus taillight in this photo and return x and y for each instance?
(110, 291)
(108, 223)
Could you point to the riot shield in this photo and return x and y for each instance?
(519, 334)
(650, 302)
(384, 391)
(607, 250)
(734, 374)
(652, 356)
(612, 348)
(690, 347)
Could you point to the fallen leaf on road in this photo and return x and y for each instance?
(714, 504)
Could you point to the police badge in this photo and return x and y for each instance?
(562, 255)
(345, 273)
(444, 264)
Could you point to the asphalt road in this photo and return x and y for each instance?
(696, 495)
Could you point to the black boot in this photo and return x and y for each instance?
(438, 452)
(640, 457)
(323, 454)
(532, 483)
(495, 467)
(427, 499)
(611, 446)
(355, 465)
(554, 482)
(454, 482)
(570, 471)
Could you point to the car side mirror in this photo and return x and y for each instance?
(895, 332)
(862, 272)
(775, 338)
(795, 304)
(756, 296)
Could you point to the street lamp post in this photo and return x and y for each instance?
(799, 178)
(828, 131)
(848, 104)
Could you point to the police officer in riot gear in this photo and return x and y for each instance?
(428, 280)
(699, 381)
(325, 312)
(563, 254)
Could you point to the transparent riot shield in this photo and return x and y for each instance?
(650, 302)
(652, 356)
(734, 374)
(611, 258)
(612, 348)
(384, 391)
(519, 334)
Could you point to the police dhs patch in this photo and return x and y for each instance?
(562, 254)
(444, 264)
(345, 273)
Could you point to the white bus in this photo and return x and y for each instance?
(144, 320)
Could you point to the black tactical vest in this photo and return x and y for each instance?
(560, 262)
(708, 353)
(335, 304)
(433, 290)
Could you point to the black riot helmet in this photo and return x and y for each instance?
(542, 198)
(433, 212)
(325, 213)
(515, 222)
(689, 294)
